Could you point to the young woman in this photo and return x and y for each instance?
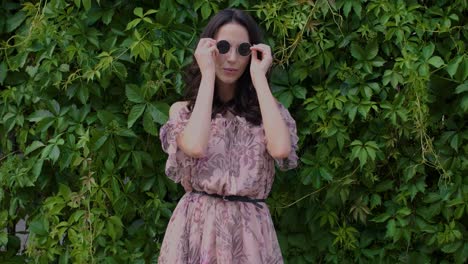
(223, 143)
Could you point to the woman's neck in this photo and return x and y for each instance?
(226, 92)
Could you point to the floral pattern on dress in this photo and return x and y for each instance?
(205, 229)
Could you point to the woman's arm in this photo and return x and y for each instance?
(276, 130)
(194, 139)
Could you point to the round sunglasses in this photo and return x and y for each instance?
(224, 46)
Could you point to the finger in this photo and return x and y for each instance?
(261, 45)
(207, 42)
(254, 55)
(266, 56)
(213, 50)
(264, 49)
(207, 39)
(210, 41)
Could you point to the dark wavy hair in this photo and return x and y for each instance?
(245, 101)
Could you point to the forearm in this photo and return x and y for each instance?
(196, 133)
(276, 130)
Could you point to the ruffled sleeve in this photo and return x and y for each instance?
(178, 165)
(291, 161)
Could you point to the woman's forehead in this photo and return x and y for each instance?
(232, 32)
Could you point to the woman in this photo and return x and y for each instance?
(222, 144)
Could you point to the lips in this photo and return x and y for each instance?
(230, 70)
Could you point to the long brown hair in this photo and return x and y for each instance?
(245, 101)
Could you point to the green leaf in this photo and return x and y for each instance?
(158, 112)
(357, 52)
(148, 183)
(98, 144)
(135, 113)
(454, 142)
(464, 103)
(352, 110)
(299, 92)
(375, 200)
(114, 227)
(372, 50)
(136, 158)
(37, 168)
(120, 70)
(15, 21)
(39, 115)
(452, 247)
(347, 7)
(142, 49)
(428, 51)
(362, 155)
(107, 16)
(462, 88)
(18, 60)
(123, 160)
(126, 133)
(436, 61)
(105, 117)
(326, 175)
(453, 65)
(3, 238)
(286, 98)
(138, 11)
(76, 216)
(64, 67)
(133, 23)
(87, 5)
(31, 70)
(149, 125)
(133, 94)
(463, 70)
(83, 94)
(306, 175)
(39, 227)
(54, 153)
(3, 72)
(384, 186)
(35, 145)
(405, 211)
(357, 8)
(151, 11)
(391, 228)
(206, 10)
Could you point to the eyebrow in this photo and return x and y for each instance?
(238, 43)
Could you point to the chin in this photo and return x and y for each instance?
(228, 80)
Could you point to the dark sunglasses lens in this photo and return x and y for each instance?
(223, 46)
(244, 49)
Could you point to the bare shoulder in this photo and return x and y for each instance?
(176, 107)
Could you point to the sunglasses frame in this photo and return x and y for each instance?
(224, 47)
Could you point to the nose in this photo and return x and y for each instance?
(232, 54)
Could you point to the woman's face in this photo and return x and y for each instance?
(230, 66)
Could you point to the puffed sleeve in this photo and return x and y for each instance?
(291, 161)
(178, 165)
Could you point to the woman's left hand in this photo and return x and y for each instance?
(259, 67)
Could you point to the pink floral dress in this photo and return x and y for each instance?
(205, 229)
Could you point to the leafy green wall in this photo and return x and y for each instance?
(378, 88)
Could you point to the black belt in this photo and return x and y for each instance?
(234, 198)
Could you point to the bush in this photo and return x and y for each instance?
(378, 88)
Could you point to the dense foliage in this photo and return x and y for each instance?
(379, 89)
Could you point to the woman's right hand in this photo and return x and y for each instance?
(205, 54)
